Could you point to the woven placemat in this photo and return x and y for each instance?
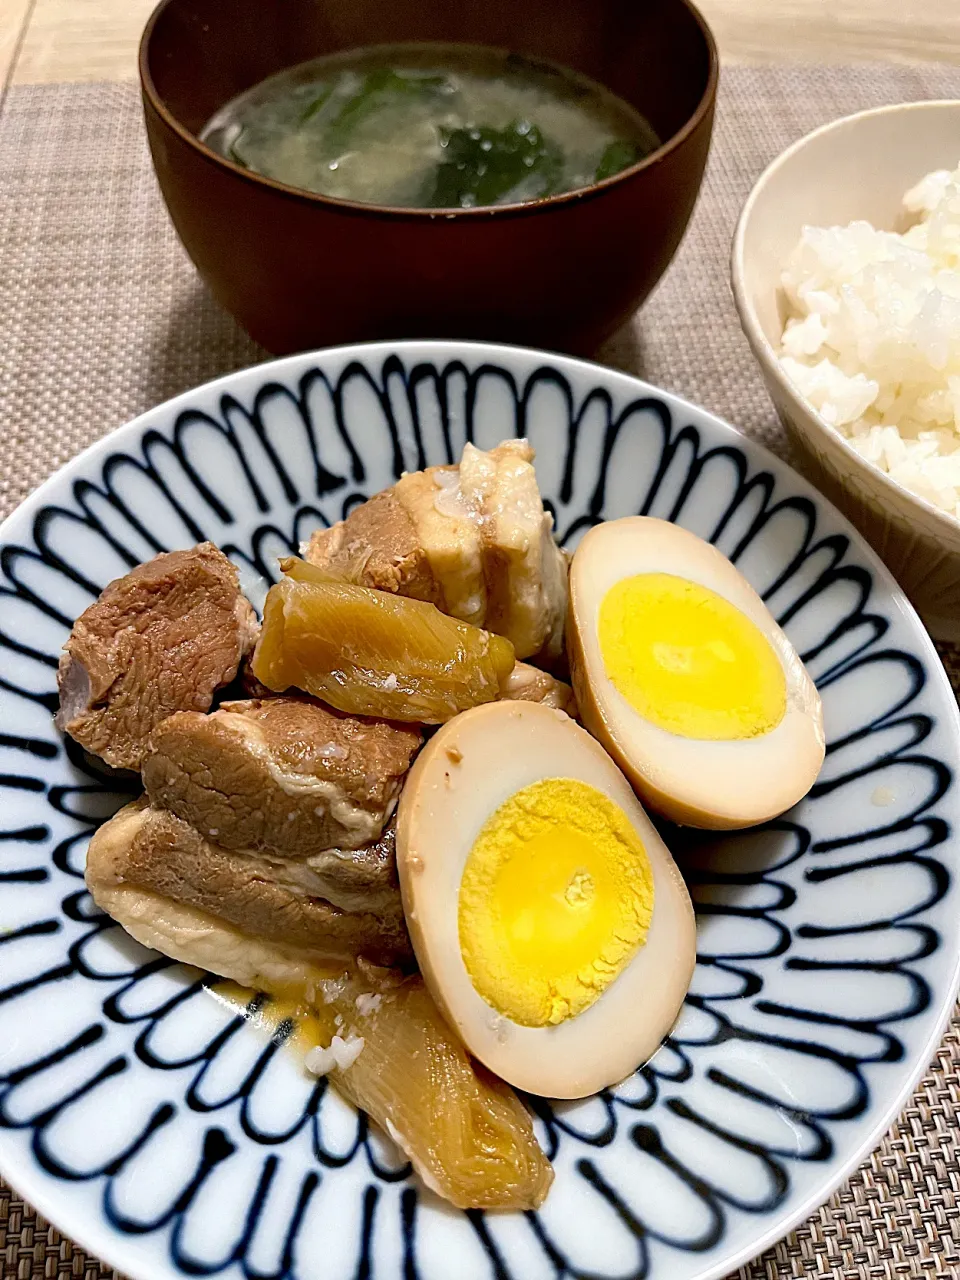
(101, 316)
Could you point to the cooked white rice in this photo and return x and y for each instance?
(873, 341)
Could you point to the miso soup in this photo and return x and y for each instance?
(431, 126)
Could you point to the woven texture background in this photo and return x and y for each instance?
(102, 316)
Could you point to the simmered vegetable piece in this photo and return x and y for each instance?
(366, 652)
(466, 1132)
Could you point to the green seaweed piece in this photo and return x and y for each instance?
(482, 165)
(617, 155)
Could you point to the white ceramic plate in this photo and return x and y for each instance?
(165, 1135)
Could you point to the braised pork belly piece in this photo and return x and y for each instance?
(246, 916)
(378, 546)
(473, 539)
(164, 638)
(288, 776)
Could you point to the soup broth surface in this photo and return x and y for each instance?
(438, 127)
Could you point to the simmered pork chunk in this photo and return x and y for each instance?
(287, 776)
(378, 546)
(233, 911)
(161, 639)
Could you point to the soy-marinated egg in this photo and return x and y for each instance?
(550, 923)
(681, 671)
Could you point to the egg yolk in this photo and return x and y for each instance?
(688, 661)
(555, 900)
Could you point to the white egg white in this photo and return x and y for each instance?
(702, 783)
(473, 765)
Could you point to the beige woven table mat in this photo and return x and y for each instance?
(101, 316)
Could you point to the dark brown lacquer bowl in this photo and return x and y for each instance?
(301, 271)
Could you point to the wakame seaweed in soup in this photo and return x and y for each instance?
(439, 127)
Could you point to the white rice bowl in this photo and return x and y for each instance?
(872, 341)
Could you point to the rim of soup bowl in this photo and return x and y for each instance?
(365, 209)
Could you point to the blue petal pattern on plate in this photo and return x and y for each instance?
(156, 1126)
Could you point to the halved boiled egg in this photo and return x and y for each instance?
(550, 923)
(683, 674)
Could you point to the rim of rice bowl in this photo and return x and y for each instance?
(765, 351)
